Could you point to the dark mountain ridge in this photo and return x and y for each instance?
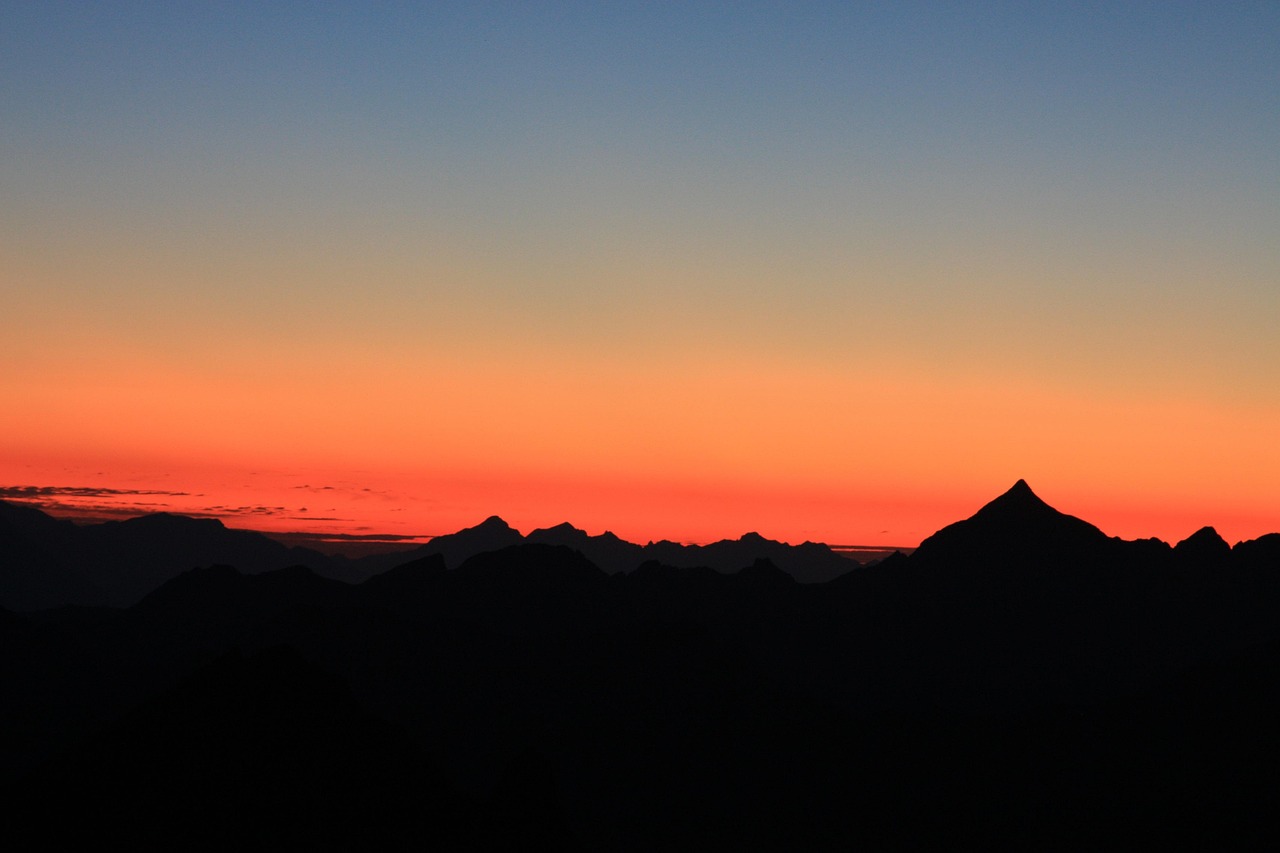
(1022, 682)
(46, 562)
(1016, 524)
(809, 562)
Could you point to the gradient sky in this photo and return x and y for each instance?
(828, 271)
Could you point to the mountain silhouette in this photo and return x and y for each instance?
(808, 562)
(1205, 545)
(1018, 524)
(1021, 681)
(51, 563)
(606, 550)
(1258, 554)
(489, 535)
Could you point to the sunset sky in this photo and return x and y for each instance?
(828, 271)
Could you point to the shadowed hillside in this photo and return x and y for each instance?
(1022, 681)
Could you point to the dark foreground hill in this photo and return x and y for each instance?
(1021, 682)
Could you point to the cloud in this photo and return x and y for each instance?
(90, 511)
(40, 492)
(96, 504)
(352, 537)
(244, 510)
(86, 503)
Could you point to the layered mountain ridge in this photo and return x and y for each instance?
(1022, 681)
(49, 562)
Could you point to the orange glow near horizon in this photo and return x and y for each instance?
(662, 450)
(844, 275)
(264, 501)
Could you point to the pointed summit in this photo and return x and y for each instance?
(1019, 506)
(1016, 524)
(492, 523)
(1020, 500)
(489, 535)
(1020, 491)
(1205, 545)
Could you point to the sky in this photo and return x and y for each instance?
(829, 271)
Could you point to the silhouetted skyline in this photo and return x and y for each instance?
(1021, 681)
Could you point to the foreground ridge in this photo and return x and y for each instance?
(1021, 681)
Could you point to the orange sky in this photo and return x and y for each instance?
(843, 272)
(693, 450)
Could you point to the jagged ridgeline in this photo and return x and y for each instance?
(50, 563)
(1020, 681)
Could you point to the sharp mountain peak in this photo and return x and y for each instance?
(1016, 521)
(1018, 495)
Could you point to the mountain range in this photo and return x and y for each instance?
(50, 562)
(1020, 681)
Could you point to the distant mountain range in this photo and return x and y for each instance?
(809, 562)
(1021, 681)
(49, 562)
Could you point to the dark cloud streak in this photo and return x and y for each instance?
(38, 492)
(349, 537)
